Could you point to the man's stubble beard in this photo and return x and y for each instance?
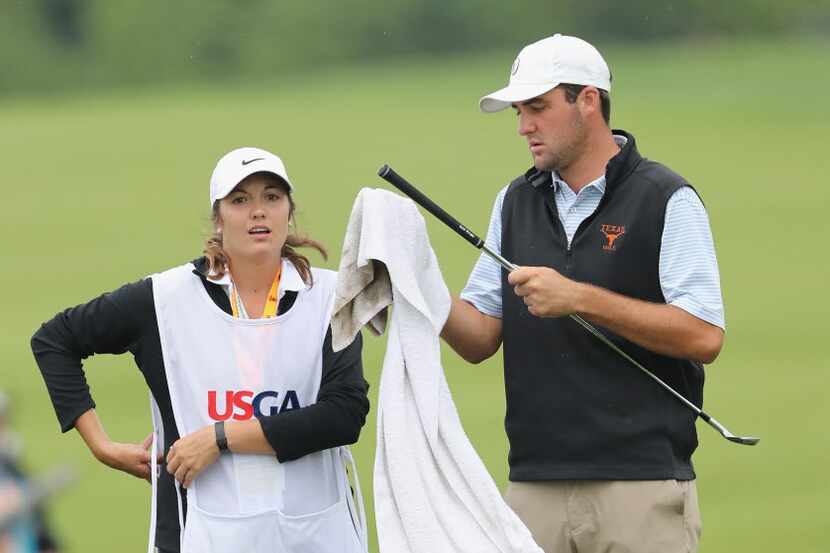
(570, 151)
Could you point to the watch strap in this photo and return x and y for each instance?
(221, 439)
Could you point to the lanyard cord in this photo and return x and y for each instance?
(270, 310)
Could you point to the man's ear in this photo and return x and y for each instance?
(589, 100)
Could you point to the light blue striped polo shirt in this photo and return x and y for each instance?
(688, 267)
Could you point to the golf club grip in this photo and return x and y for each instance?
(390, 176)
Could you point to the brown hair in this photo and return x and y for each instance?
(217, 259)
(573, 90)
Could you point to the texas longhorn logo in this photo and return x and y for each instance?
(612, 234)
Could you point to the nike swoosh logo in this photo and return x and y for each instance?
(252, 160)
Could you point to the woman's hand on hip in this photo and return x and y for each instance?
(130, 458)
(192, 454)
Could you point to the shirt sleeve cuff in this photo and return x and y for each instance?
(691, 306)
(484, 306)
(68, 418)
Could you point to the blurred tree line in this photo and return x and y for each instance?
(51, 45)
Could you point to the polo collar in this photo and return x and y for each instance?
(290, 278)
(558, 183)
(616, 171)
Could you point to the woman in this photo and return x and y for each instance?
(250, 404)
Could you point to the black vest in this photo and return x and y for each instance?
(576, 409)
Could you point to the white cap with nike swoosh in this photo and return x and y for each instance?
(240, 163)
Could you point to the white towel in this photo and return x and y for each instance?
(432, 492)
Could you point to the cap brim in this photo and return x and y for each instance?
(242, 175)
(505, 97)
(246, 172)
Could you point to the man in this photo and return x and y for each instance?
(600, 456)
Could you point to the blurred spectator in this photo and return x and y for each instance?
(16, 534)
(23, 529)
(64, 20)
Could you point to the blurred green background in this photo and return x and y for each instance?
(112, 116)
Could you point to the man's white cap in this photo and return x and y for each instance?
(544, 65)
(238, 164)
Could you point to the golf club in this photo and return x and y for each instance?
(404, 186)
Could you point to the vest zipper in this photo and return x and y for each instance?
(550, 202)
(586, 222)
(568, 260)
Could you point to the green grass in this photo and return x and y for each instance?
(105, 189)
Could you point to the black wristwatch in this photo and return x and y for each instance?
(221, 439)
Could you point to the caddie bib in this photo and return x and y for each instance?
(221, 368)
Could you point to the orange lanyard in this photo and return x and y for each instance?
(270, 310)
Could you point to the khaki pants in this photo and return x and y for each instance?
(590, 516)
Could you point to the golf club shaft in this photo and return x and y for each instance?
(593, 330)
(599, 335)
(404, 186)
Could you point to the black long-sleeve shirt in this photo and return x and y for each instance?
(125, 320)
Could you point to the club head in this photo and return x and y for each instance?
(743, 440)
